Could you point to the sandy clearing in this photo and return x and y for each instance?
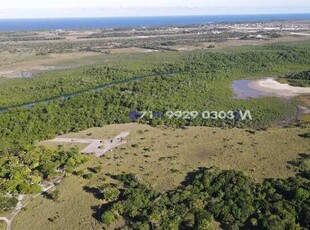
(95, 145)
(270, 85)
(74, 140)
(301, 34)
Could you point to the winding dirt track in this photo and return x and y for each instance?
(20, 204)
(17, 209)
(93, 147)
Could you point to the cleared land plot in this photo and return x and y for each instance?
(162, 157)
(200, 147)
(18, 65)
(96, 147)
(234, 43)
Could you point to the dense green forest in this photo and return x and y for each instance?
(300, 79)
(202, 81)
(21, 172)
(189, 81)
(208, 195)
(20, 127)
(206, 65)
(194, 81)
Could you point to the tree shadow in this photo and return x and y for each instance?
(305, 135)
(47, 195)
(98, 210)
(95, 191)
(304, 155)
(299, 160)
(92, 170)
(299, 165)
(191, 176)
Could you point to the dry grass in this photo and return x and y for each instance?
(73, 212)
(162, 157)
(2, 225)
(12, 65)
(304, 101)
(233, 43)
(261, 155)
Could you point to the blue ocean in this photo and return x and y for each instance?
(121, 22)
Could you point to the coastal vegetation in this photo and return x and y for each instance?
(208, 195)
(199, 65)
(159, 82)
(23, 126)
(299, 79)
(23, 171)
(194, 81)
(160, 157)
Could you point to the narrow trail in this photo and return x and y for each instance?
(109, 145)
(7, 221)
(17, 209)
(20, 204)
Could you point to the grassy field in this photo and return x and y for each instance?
(234, 43)
(63, 81)
(162, 157)
(14, 65)
(304, 101)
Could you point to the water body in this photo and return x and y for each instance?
(121, 22)
(242, 90)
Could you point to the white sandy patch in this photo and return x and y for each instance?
(150, 51)
(278, 89)
(97, 147)
(301, 34)
(304, 109)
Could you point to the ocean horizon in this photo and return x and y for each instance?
(147, 21)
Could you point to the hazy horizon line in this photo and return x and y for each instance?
(156, 16)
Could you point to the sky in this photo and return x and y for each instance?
(110, 8)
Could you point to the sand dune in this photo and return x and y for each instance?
(270, 85)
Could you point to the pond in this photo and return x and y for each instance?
(244, 89)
